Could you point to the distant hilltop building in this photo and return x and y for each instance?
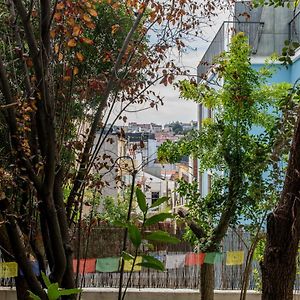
(176, 127)
(144, 127)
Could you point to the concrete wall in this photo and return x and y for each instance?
(282, 74)
(148, 294)
(164, 294)
(275, 30)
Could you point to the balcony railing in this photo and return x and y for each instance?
(252, 30)
(294, 28)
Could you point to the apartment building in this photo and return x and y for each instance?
(267, 29)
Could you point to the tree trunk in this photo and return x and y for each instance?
(22, 288)
(283, 233)
(279, 265)
(207, 282)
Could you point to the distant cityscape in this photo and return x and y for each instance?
(138, 143)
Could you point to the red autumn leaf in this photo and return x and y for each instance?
(72, 43)
(87, 18)
(79, 56)
(114, 28)
(92, 12)
(86, 41)
(76, 30)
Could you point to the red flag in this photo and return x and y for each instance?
(87, 265)
(194, 259)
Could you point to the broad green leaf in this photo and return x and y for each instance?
(158, 218)
(151, 262)
(33, 296)
(141, 199)
(159, 201)
(46, 280)
(163, 237)
(134, 235)
(53, 291)
(69, 292)
(127, 256)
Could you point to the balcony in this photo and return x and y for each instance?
(294, 28)
(252, 30)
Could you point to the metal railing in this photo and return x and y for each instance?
(294, 28)
(252, 30)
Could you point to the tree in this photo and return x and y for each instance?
(283, 232)
(176, 127)
(281, 250)
(64, 67)
(283, 226)
(235, 147)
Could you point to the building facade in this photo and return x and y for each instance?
(267, 29)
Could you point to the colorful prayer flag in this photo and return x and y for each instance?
(194, 259)
(161, 258)
(35, 268)
(8, 269)
(128, 264)
(234, 258)
(85, 265)
(108, 264)
(213, 258)
(175, 261)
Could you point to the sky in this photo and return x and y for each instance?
(174, 108)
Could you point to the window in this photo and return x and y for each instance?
(154, 196)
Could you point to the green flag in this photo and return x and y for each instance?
(213, 258)
(108, 264)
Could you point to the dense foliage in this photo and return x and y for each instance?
(236, 146)
(67, 69)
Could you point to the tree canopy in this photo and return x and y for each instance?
(235, 147)
(68, 69)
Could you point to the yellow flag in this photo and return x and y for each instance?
(128, 264)
(8, 269)
(234, 258)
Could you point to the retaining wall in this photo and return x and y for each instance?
(148, 294)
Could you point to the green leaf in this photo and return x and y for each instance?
(141, 199)
(53, 291)
(46, 280)
(159, 201)
(163, 237)
(33, 296)
(151, 262)
(291, 52)
(134, 235)
(69, 292)
(127, 256)
(296, 45)
(158, 218)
